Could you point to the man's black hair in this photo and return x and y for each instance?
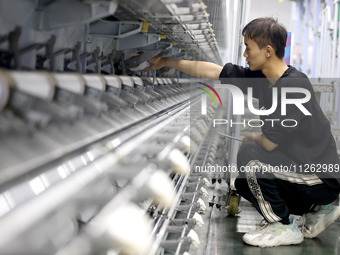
(267, 31)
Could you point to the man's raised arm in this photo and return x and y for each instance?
(194, 68)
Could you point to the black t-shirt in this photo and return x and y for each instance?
(310, 143)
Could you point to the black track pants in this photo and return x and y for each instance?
(265, 180)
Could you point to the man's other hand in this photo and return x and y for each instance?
(249, 138)
(261, 140)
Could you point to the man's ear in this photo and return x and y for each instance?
(269, 51)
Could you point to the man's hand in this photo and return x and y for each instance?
(195, 68)
(155, 64)
(260, 140)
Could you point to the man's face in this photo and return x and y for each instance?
(255, 56)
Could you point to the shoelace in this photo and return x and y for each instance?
(263, 224)
(301, 219)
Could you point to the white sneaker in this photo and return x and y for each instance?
(274, 234)
(317, 222)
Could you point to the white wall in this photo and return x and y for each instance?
(271, 8)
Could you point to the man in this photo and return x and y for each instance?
(301, 148)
